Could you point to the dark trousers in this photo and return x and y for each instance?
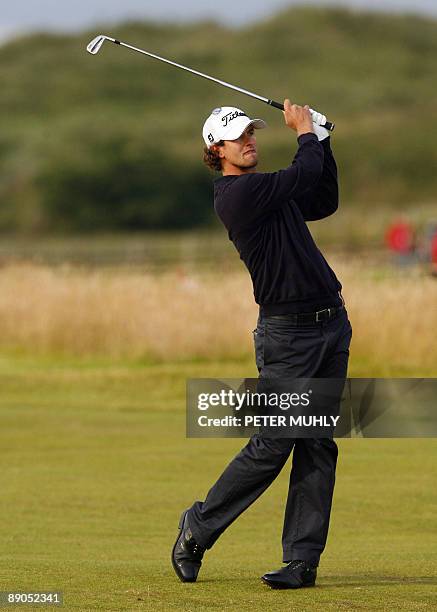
(318, 350)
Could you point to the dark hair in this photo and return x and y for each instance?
(211, 157)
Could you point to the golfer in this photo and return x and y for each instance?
(302, 331)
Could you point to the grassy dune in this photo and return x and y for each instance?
(173, 316)
(88, 145)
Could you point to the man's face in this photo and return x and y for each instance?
(239, 156)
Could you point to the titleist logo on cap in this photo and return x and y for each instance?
(229, 116)
(227, 123)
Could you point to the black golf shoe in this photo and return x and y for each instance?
(186, 555)
(295, 575)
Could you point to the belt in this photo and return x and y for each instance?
(303, 318)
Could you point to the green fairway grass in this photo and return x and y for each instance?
(96, 470)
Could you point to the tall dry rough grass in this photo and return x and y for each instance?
(129, 313)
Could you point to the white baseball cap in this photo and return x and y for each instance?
(227, 123)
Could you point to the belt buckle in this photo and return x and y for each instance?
(330, 312)
(317, 315)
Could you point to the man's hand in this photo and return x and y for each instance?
(318, 118)
(318, 121)
(298, 118)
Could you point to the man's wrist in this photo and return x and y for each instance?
(305, 130)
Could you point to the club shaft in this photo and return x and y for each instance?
(201, 74)
(328, 125)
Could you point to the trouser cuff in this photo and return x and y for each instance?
(202, 540)
(312, 557)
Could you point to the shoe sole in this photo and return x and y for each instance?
(173, 562)
(282, 587)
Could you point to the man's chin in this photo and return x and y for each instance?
(250, 163)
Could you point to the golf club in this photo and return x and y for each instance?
(96, 44)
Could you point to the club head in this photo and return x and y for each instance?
(96, 44)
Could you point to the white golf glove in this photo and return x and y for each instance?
(318, 121)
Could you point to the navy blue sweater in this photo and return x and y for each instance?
(265, 215)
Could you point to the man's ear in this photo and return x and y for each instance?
(218, 150)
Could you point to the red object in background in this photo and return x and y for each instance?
(434, 249)
(400, 237)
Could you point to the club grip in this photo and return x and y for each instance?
(328, 125)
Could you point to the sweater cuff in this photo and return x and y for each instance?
(307, 137)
